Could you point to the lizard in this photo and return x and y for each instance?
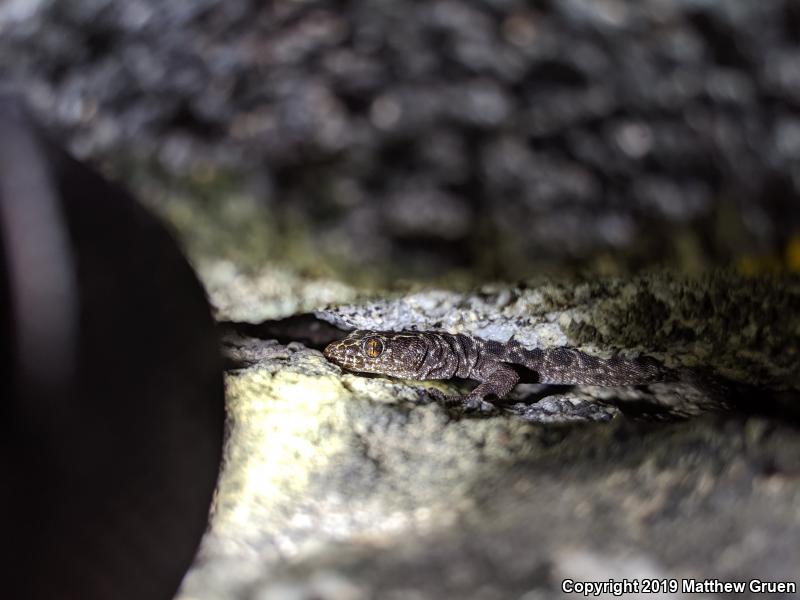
(497, 366)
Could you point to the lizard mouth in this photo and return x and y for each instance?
(332, 352)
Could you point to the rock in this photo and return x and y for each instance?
(581, 133)
(343, 486)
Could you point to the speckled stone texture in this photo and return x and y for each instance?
(447, 134)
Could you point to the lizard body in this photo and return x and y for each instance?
(495, 365)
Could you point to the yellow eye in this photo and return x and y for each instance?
(373, 347)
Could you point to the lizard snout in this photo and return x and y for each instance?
(344, 353)
(334, 352)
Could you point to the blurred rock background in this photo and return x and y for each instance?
(448, 139)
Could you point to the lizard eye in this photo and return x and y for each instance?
(373, 347)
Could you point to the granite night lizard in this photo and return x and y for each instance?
(497, 366)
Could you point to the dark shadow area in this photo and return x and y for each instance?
(305, 329)
(114, 415)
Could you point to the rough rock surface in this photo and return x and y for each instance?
(253, 296)
(742, 328)
(343, 487)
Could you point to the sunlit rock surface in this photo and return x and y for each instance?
(270, 292)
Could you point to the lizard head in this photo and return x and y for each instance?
(380, 352)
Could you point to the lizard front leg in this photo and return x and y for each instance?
(495, 383)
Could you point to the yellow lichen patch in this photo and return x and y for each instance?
(793, 254)
(280, 432)
(751, 265)
(789, 260)
(313, 457)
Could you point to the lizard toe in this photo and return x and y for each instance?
(476, 404)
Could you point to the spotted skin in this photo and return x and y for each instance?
(495, 365)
